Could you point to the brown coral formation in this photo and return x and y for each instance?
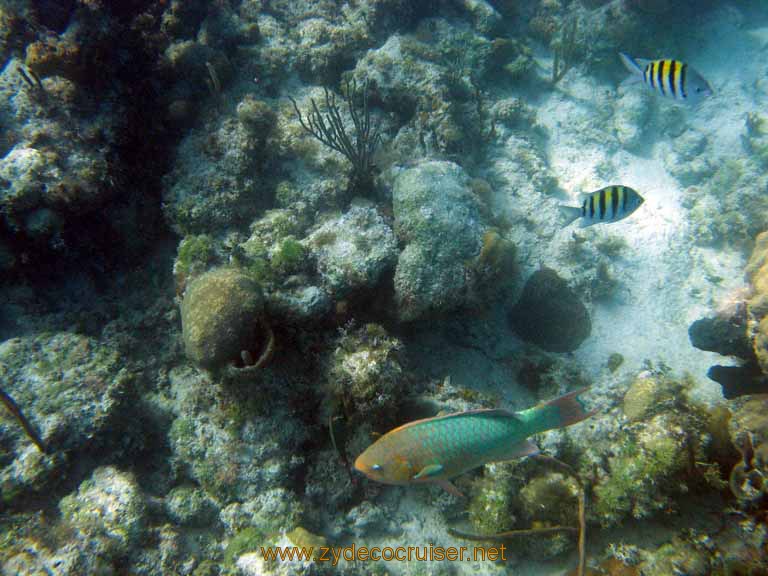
(748, 429)
(220, 313)
(55, 57)
(757, 305)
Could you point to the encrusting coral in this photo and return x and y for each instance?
(365, 375)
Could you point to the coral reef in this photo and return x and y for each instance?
(348, 262)
(757, 305)
(72, 388)
(438, 219)
(667, 449)
(107, 507)
(365, 376)
(214, 183)
(493, 499)
(739, 329)
(354, 250)
(71, 134)
(329, 129)
(237, 450)
(748, 430)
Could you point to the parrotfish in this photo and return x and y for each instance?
(440, 448)
(609, 204)
(670, 78)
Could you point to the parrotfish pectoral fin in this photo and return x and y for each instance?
(524, 448)
(568, 214)
(450, 488)
(429, 471)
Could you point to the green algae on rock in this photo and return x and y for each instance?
(72, 389)
(220, 315)
(365, 375)
(354, 250)
(110, 507)
(190, 506)
(650, 394)
(493, 504)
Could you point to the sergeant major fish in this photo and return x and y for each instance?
(440, 448)
(669, 77)
(609, 204)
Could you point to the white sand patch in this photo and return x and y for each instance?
(668, 281)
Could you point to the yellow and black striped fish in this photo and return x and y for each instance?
(670, 78)
(609, 204)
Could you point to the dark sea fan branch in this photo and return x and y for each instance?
(329, 129)
(564, 49)
(14, 409)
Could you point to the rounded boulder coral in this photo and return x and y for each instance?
(221, 313)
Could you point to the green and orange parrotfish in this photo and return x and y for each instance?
(443, 447)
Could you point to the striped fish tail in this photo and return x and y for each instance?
(561, 412)
(631, 64)
(568, 214)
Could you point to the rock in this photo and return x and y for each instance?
(220, 314)
(215, 180)
(724, 335)
(188, 506)
(23, 169)
(365, 374)
(71, 389)
(108, 506)
(485, 17)
(300, 304)
(690, 158)
(438, 217)
(550, 314)
(240, 450)
(271, 511)
(649, 395)
(353, 251)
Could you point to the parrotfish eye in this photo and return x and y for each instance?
(376, 467)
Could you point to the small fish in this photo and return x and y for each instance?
(609, 204)
(669, 77)
(440, 448)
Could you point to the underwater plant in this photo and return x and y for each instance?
(329, 129)
(564, 50)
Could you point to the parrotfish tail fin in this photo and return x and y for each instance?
(634, 65)
(568, 214)
(569, 408)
